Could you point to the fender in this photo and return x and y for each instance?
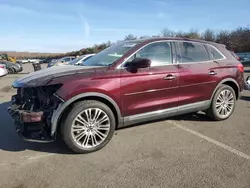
(221, 82)
(62, 106)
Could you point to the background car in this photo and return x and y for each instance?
(80, 60)
(3, 70)
(235, 55)
(12, 67)
(245, 61)
(61, 61)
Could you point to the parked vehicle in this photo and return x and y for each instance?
(12, 68)
(235, 55)
(127, 83)
(80, 60)
(247, 83)
(64, 60)
(46, 60)
(23, 61)
(3, 70)
(245, 61)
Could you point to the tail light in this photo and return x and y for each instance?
(1, 66)
(240, 67)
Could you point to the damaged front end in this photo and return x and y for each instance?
(32, 110)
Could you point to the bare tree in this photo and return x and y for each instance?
(130, 37)
(168, 33)
(208, 35)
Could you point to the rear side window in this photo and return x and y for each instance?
(192, 52)
(214, 53)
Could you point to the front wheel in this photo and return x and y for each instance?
(11, 70)
(88, 127)
(223, 103)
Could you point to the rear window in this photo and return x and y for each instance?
(214, 53)
(192, 52)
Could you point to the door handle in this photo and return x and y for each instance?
(169, 77)
(212, 73)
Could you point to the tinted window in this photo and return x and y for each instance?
(192, 52)
(67, 59)
(214, 53)
(159, 53)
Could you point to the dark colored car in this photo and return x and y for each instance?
(46, 60)
(12, 68)
(245, 61)
(235, 55)
(127, 83)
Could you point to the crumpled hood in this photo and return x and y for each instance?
(44, 76)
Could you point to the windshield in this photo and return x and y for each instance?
(109, 55)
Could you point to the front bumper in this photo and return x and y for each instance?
(30, 126)
(20, 69)
(247, 86)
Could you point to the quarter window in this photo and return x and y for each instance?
(192, 52)
(214, 53)
(159, 53)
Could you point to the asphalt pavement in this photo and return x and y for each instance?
(185, 151)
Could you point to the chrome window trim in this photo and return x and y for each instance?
(177, 63)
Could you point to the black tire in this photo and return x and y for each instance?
(11, 70)
(68, 121)
(212, 112)
(14, 71)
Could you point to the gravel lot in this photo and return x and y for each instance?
(184, 151)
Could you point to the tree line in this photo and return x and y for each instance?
(237, 40)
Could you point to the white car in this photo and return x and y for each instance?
(3, 70)
(61, 61)
(80, 60)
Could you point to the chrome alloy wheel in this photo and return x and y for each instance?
(90, 128)
(225, 103)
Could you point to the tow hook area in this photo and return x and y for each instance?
(30, 125)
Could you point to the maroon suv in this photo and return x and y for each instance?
(127, 83)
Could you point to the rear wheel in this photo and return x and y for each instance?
(88, 127)
(223, 103)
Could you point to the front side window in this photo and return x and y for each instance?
(192, 52)
(159, 53)
(214, 53)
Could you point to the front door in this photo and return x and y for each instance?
(150, 89)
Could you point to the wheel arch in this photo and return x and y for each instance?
(64, 107)
(230, 82)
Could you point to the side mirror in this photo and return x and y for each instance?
(139, 63)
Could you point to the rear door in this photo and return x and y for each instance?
(198, 72)
(154, 88)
